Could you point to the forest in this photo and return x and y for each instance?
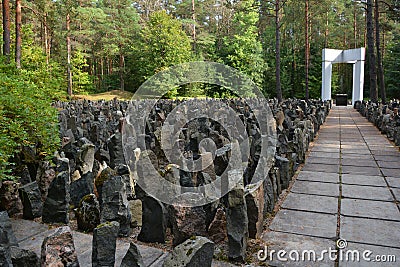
(99, 45)
(55, 49)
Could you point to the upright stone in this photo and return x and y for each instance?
(56, 206)
(187, 221)
(88, 213)
(116, 150)
(115, 205)
(45, 175)
(283, 165)
(24, 258)
(5, 254)
(31, 200)
(104, 244)
(254, 195)
(86, 158)
(217, 228)
(5, 224)
(58, 249)
(154, 221)
(237, 224)
(80, 188)
(132, 258)
(9, 198)
(194, 252)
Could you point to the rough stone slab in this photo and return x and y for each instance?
(34, 243)
(361, 170)
(359, 163)
(366, 192)
(393, 182)
(318, 176)
(321, 168)
(376, 250)
(311, 203)
(316, 188)
(391, 172)
(284, 241)
(370, 231)
(25, 229)
(83, 243)
(320, 160)
(363, 180)
(369, 209)
(216, 263)
(307, 223)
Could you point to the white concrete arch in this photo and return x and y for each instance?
(352, 56)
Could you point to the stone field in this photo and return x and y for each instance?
(316, 174)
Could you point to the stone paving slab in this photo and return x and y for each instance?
(388, 158)
(323, 160)
(396, 192)
(305, 223)
(391, 172)
(355, 151)
(363, 180)
(312, 203)
(323, 154)
(389, 164)
(366, 192)
(322, 148)
(292, 242)
(369, 209)
(361, 170)
(359, 163)
(346, 157)
(393, 182)
(325, 177)
(316, 188)
(376, 250)
(321, 168)
(370, 231)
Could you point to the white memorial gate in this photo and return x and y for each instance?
(352, 56)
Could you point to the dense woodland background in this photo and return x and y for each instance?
(55, 48)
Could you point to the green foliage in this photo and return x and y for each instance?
(392, 64)
(83, 82)
(26, 115)
(162, 44)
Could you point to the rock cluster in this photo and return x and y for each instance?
(385, 117)
(90, 173)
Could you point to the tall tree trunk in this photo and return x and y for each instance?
(355, 24)
(121, 69)
(278, 51)
(69, 69)
(371, 52)
(6, 30)
(381, 77)
(307, 48)
(194, 26)
(46, 39)
(18, 37)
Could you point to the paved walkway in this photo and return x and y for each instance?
(349, 188)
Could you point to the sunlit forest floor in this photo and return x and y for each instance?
(121, 95)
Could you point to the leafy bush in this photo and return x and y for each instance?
(26, 116)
